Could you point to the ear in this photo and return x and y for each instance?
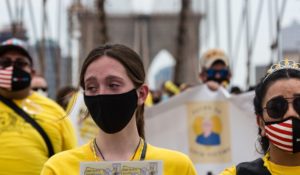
(142, 94)
(229, 75)
(33, 72)
(261, 124)
(203, 75)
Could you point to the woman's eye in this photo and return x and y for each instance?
(114, 85)
(91, 89)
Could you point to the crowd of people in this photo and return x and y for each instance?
(37, 137)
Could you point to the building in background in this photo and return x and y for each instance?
(57, 69)
(291, 41)
(16, 30)
(290, 47)
(147, 34)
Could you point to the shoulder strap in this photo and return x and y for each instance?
(30, 120)
(255, 167)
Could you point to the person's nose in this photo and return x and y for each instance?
(218, 75)
(102, 90)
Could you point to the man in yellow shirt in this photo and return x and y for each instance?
(32, 127)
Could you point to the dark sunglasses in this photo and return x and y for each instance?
(44, 89)
(212, 72)
(19, 62)
(278, 106)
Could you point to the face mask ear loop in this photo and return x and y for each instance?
(258, 139)
(137, 90)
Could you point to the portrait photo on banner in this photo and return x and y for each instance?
(209, 134)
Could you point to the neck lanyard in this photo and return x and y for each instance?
(143, 154)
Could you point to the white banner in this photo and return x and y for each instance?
(122, 168)
(215, 129)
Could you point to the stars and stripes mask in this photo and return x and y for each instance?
(285, 134)
(13, 78)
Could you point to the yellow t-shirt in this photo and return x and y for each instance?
(273, 168)
(68, 162)
(22, 148)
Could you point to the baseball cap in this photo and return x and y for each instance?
(213, 55)
(15, 44)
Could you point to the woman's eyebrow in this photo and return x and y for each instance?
(91, 78)
(113, 77)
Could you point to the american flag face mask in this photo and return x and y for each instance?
(285, 134)
(14, 79)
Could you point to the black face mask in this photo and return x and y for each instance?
(112, 112)
(15, 79)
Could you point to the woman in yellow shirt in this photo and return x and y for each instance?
(277, 107)
(113, 77)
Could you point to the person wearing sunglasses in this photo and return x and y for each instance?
(32, 127)
(215, 70)
(277, 107)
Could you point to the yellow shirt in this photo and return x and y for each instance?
(273, 168)
(68, 162)
(22, 148)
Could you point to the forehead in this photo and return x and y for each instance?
(218, 65)
(104, 66)
(283, 87)
(38, 81)
(207, 121)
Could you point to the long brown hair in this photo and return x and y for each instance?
(133, 66)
